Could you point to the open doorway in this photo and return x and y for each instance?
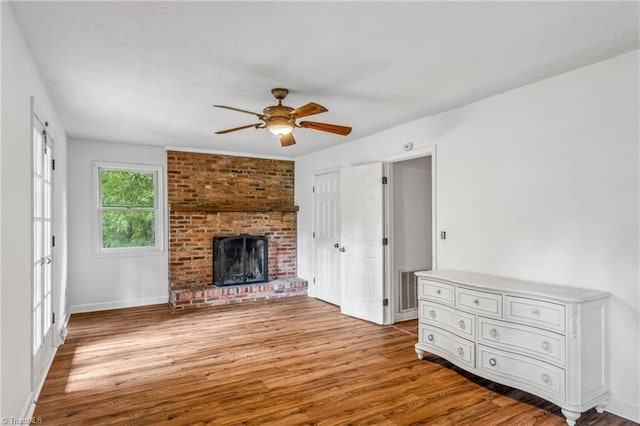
(411, 223)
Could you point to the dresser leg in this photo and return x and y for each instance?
(600, 407)
(571, 416)
(420, 353)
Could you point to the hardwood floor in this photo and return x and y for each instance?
(284, 362)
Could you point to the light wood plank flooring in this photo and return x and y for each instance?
(284, 362)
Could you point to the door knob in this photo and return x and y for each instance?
(336, 245)
(342, 249)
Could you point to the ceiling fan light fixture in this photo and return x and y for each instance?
(280, 126)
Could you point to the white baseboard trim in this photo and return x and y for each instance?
(62, 331)
(405, 316)
(626, 409)
(30, 405)
(117, 304)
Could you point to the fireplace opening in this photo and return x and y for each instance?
(240, 260)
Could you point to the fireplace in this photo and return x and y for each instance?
(240, 260)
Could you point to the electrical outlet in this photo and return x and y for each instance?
(443, 235)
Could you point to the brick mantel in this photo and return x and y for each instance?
(214, 208)
(220, 196)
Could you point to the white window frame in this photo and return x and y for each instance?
(158, 181)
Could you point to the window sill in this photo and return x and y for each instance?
(130, 252)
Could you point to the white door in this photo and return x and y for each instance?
(42, 275)
(326, 228)
(361, 202)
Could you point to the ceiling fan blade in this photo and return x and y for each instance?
(287, 140)
(239, 110)
(222, 132)
(309, 109)
(331, 128)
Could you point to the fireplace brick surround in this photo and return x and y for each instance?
(220, 196)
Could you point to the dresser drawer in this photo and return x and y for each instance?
(479, 301)
(526, 373)
(535, 312)
(454, 348)
(449, 318)
(522, 338)
(434, 290)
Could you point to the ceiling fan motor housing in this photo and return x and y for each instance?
(277, 111)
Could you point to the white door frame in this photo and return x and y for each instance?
(389, 264)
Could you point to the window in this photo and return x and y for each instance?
(129, 217)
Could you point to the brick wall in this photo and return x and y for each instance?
(200, 185)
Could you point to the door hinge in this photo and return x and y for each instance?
(53, 317)
(44, 141)
(53, 164)
(385, 302)
(385, 180)
(385, 241)
(314, 234)
(314, 280)
(53, 241)
(313, 189)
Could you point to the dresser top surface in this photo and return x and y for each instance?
(503, 284)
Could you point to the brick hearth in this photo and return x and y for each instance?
(212, 295)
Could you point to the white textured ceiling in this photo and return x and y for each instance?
(148, 72)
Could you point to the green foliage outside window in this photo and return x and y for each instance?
(128, 208)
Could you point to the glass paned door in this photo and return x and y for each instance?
(42, 275)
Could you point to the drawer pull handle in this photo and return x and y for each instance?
(493, 333)
(430, 337)
(535, 312)
(476, 301)
(492, 362)
(462, 325)
(545, 379)
(432, 313)
(546, 345)
(461, 352)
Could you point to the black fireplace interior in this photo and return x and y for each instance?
(240, 260)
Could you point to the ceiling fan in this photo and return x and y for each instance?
(281, 120)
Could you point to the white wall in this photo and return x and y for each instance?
(20, 81)
(539, 183)
(105, 282)
(411, 183)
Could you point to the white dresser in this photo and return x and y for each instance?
(544, 339)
